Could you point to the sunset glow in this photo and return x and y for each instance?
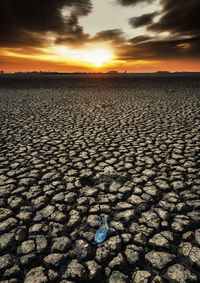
(97, 57)
(99, 36)
(89, 58)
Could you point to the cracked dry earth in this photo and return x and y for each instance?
(74, 148)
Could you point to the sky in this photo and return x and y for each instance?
(99, 35)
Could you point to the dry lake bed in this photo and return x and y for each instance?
(75, 148)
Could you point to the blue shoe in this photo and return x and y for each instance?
(102, 232)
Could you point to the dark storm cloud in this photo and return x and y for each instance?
(143, 20)
(74, 35)
(180, 16)
(177, 16)
(161, 49)
(133, 2)
(25, 22)
(112, 35)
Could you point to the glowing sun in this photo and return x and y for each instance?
(97, 57)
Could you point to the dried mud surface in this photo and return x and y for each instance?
(74, 149)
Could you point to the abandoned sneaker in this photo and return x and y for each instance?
(102, 232)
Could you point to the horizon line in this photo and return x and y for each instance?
(112, 72)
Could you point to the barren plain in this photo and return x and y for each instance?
(75, 148)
